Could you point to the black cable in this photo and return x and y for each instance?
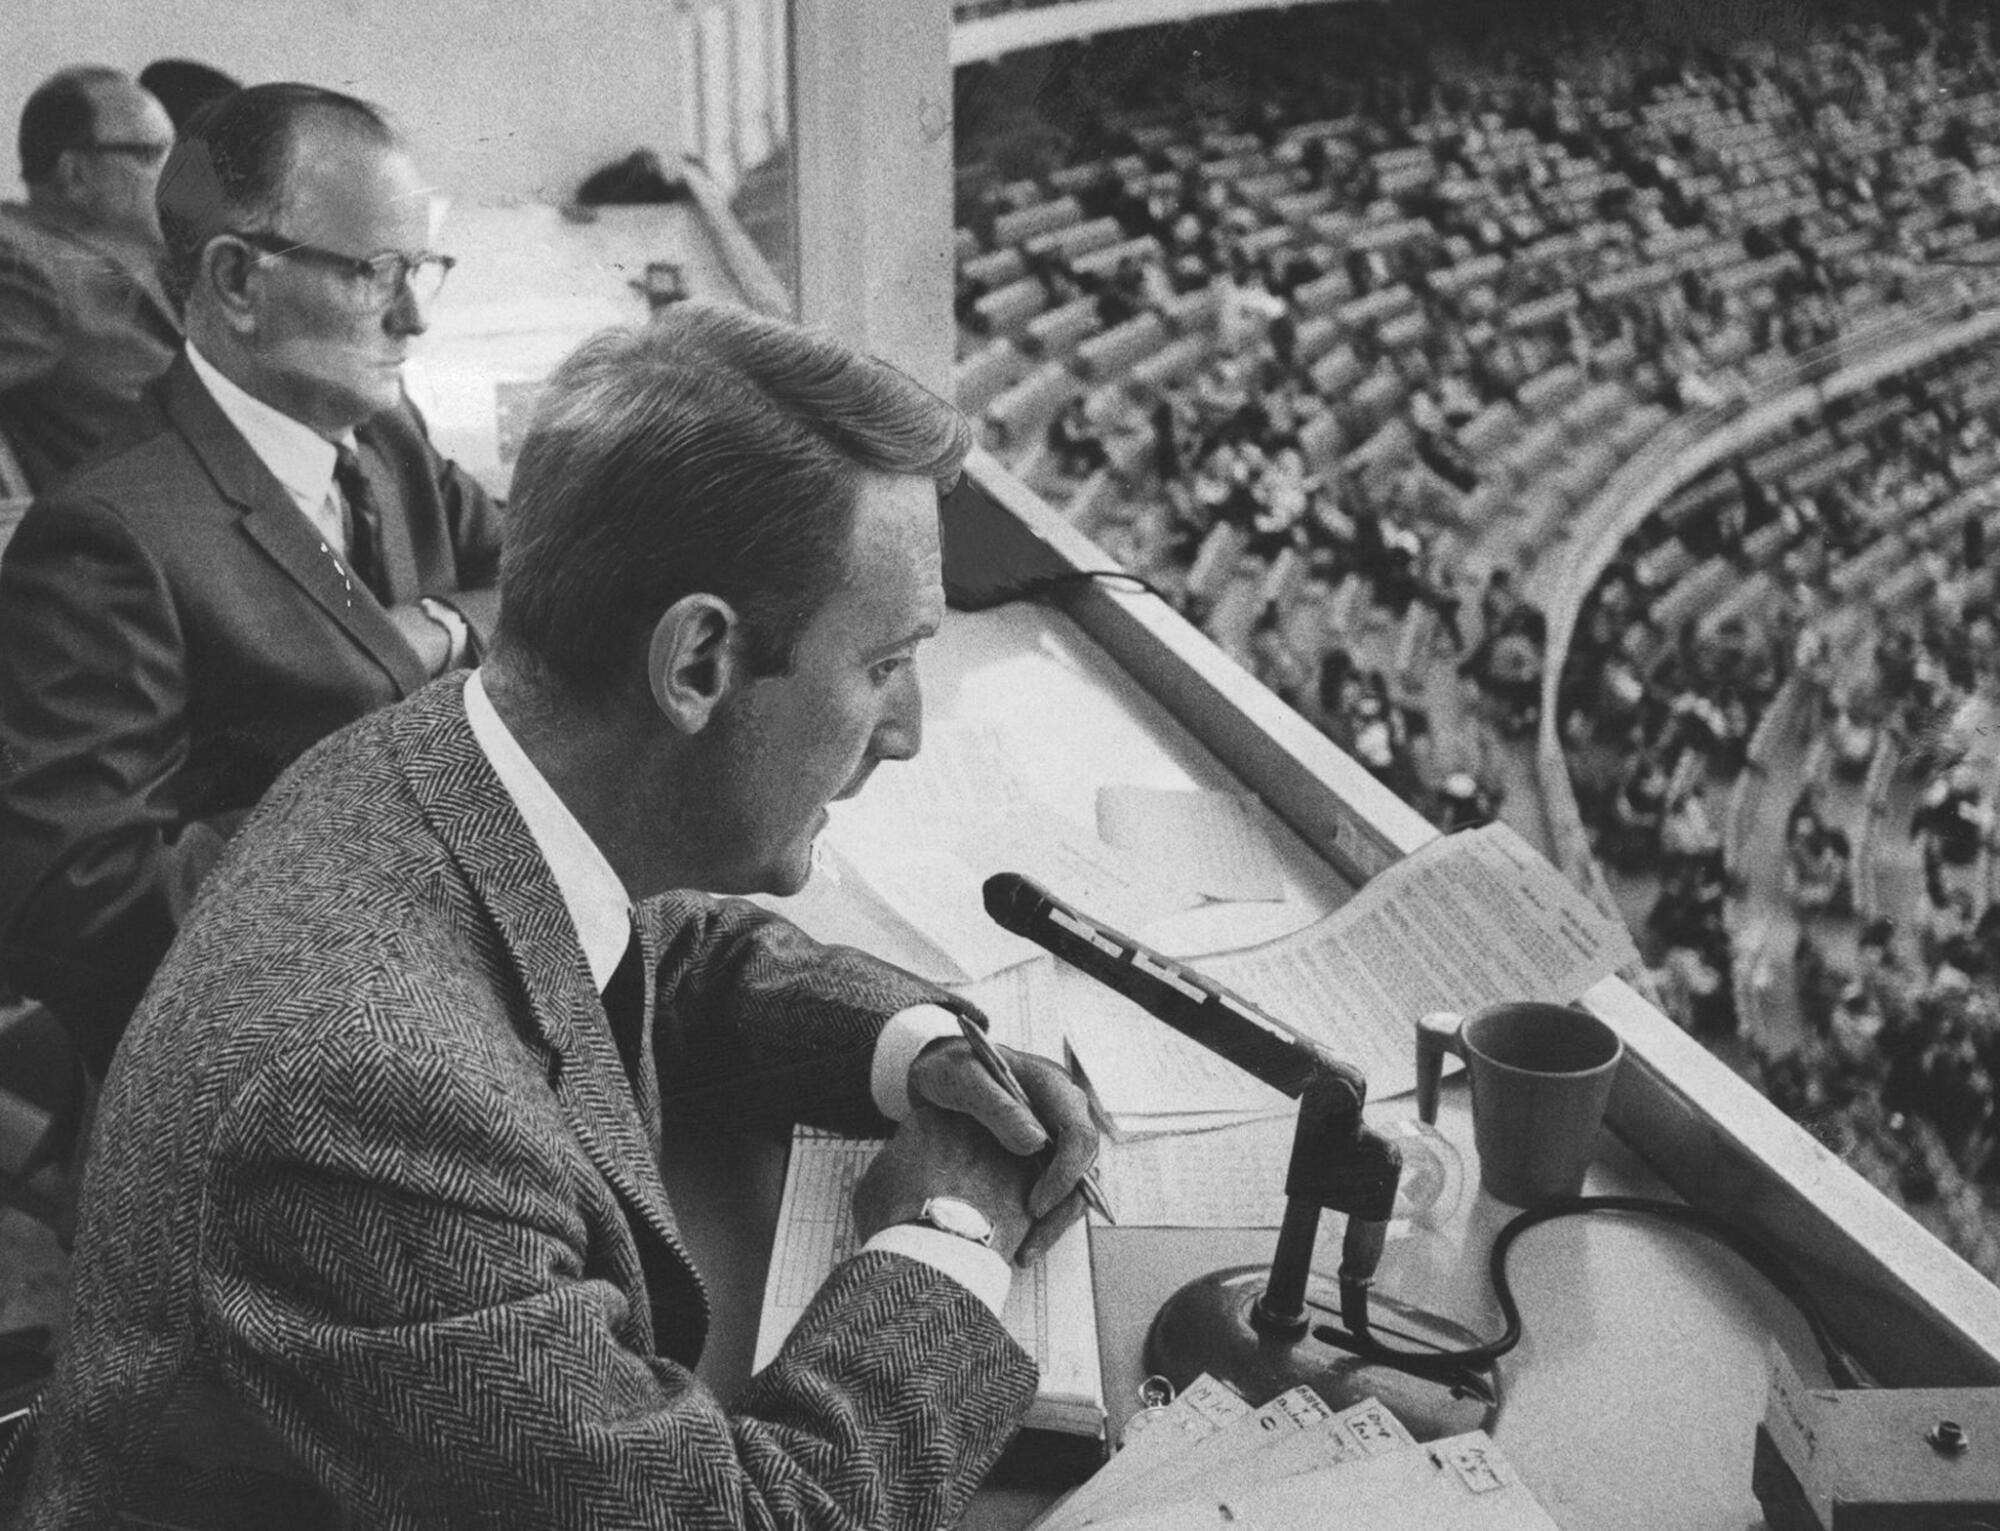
(1450, 1365)
(1048, 584)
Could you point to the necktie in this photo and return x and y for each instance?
(364, 523)
(625, 1006)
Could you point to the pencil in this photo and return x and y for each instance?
(995, 1062)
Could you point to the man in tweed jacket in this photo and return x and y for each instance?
(373, 1232)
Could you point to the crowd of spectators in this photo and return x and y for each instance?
(1912, 1018)
(1897, 683)
(1502, 202)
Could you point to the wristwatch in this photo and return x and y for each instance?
(948, 1214)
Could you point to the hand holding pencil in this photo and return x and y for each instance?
(1033, 1109)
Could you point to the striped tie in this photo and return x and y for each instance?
(364, 523)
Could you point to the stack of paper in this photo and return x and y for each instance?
(1051, 1310)
(1209, 1460)
(1472, 919)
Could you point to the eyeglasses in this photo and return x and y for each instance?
(145, 153)
(381, 277)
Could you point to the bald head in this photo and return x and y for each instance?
(92, 142)
(234, 167)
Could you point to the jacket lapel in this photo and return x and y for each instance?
(480, 825)
(274, 523)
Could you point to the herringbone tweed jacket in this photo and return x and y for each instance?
(373, 1232)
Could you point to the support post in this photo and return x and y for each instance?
(871, 131)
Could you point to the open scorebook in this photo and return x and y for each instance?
(1051, 1311)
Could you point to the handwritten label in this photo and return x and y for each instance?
(1476, 1469)
(1374, 1430)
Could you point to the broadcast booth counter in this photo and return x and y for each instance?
(1634, 1397)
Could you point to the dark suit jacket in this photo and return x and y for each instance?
(373, 1220)
(84, 327)
(172, 635)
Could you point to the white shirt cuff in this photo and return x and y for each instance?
(908, 1033)
(982, 1270)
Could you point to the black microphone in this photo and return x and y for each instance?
(1197, 1007)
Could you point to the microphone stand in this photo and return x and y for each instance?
(1265, 1330)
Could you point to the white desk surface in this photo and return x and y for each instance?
(1630, 1404)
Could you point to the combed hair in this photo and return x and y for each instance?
(229, 165)
(184, 86)
(713, 451)
(60, 115)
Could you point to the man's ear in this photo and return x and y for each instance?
(226, 271)
(692, 662)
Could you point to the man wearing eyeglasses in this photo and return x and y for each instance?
(85, 324)
(283, 554)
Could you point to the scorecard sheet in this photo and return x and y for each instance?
(1050, 1311)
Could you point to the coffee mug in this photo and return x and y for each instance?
(1541, 1078)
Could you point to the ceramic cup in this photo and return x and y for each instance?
(1541, 1078)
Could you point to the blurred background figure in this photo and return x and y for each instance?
(85, 322)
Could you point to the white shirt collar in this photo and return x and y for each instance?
(590, 888)
(299, 457)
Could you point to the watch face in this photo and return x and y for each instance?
(951, 1215)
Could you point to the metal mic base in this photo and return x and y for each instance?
(1205, 1327)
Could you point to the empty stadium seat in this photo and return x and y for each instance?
(1337, 371)
(1074, 240)
(996, 268)
(1171, 363)
(1008, 309)
(1040, 218)
(1323, 295)
(1117, 350)
(1544, 395)
(1058, 331)
(986, 374)
(1193, 310)
(1145, 250)
(1024, 411)
(1319, 444)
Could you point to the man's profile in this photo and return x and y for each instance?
(373, 1231)
(280, 552)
